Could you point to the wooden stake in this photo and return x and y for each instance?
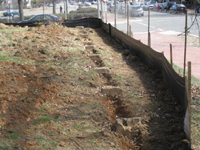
(127, 18)
(171, 59)
(129, 29)
(115, 13)
(149, 38)
(101, 10)
(185, 48)
(43, 9)
(189, 97)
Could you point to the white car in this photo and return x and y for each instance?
(87, 4)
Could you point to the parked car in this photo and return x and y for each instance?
(87, 4)
(178, 8)
(167, 5)
(93, 2)
(105, 1)
(159, 6)
(80, 5)
(152, 5)
(41, 17)
(137, 4)
(145, 5)
(73, 3)
(51, 5)
(7, 13)
(136, 11)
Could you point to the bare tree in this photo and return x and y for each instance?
(21, 13)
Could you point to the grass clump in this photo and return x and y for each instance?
(43, 119)
(13, 135)
(4, 146)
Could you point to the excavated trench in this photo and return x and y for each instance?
(123, 118)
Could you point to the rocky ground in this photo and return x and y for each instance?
(51, 94)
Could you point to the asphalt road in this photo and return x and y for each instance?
(160, 22)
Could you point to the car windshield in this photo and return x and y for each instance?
(54, 16)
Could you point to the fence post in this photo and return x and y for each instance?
(149, 35)
(109, 29)
(171, 59)
(129, 29)
(115, 13)
(189, 96)
(101, 11)
(98, 8)
(185, 47)
(106, 19)
(127, 18)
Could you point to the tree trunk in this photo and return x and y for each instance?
(21, 13)
(54, 6)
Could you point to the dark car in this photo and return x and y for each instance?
(7, 13)
(167, 5)
(178, 8)
(42, 17)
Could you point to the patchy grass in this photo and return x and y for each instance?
(179, 70)
(43, 119)
(4, 145)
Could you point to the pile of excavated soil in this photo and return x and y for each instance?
(50, 96)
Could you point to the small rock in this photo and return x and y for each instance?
(62, 144)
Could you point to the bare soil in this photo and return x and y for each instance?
(51, 98)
